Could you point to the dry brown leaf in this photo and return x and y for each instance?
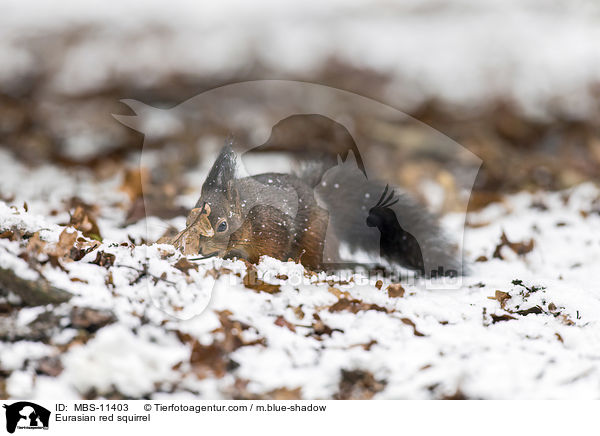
(536, 310)
(320, 328)
(209, 359)
(35, 245)
(299, 312)
(338, 293)
(104, 259)
(233, 332)
(216, 273)
(252, 281)
(65, 243)
(409, 322)
(50, 365)
(354, 306)
(281, 322)
(10, 235)
(519, 248)
(502, 297)
(499, 318)
(285, 394)
(133, 182)
(358, 385)
(82, 247)
(213, 359)
(366, 346)
(395, 290)
(83, 220)
(185, 265)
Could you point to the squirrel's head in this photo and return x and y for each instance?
(217, 214)
(382, 212)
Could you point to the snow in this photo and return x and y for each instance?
(463, 345)
(120, 359)
(14, 355)
(539, 55)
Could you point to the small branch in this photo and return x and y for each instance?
(144, 273)
(32, 292)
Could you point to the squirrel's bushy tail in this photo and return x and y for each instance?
(403, 233)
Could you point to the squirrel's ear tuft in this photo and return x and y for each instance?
(222, 171)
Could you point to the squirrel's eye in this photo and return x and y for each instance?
(222, 226)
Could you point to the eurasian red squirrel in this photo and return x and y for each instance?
(307, 217)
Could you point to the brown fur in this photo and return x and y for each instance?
(309, 247)
(260, 234)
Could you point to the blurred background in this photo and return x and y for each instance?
(516, 82)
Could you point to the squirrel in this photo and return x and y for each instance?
(268, 214)
(308, 216)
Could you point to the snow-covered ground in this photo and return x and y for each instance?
(520, 326)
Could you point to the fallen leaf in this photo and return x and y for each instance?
(133, 182)
(285, 394)
(9, 234)
(409, 322)
(35, 245)
(338, 293)
(65, 243)
(213, 359)
(233, 332)
(252, 281)
(281, 322)
(501, 297)
(395, 290)
(320, 328)
(82, 247)
(519, 248)
(209, 359)
(299, 312)
(499, 318)
(51, 366)
(532, 310)
(358, 385)
(185, 265)
(83, 220)
(458, 395)
(104, 259)
(216, 273)
(354, 306)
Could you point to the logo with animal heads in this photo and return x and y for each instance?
(26, 415)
